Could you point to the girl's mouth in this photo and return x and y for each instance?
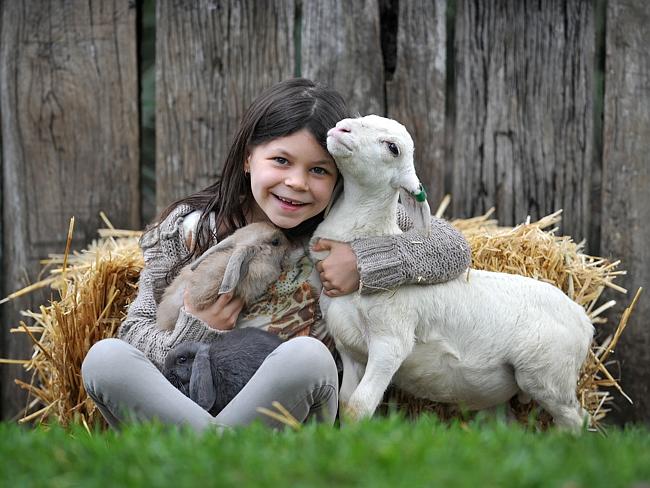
(288, 203)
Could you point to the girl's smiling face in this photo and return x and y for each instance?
(292, 179)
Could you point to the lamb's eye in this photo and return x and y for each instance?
(392, 147)
(275, 242)
(181, 360)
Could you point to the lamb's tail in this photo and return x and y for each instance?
(587, 327)
(586, 334)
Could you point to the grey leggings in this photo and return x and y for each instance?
(300, 374)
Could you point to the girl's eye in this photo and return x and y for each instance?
(320, 171)
(280, 160)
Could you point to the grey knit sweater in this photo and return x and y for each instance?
(383, 262)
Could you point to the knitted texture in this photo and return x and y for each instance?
(389, 261)
(162, 246)
(383, 262)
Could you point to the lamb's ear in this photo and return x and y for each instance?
(414, 199)
(202, 389)
(236, 268)
(227, 243)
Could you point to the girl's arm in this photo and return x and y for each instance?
(409, 258)
(162, 246)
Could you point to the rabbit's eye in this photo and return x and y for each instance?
(275, 242)
(181, 359)
(392, 147)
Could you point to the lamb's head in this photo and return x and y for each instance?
(375, 153)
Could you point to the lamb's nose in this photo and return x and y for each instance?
(337, 129)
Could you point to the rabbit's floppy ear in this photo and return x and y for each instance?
(236, 268)
(414, 199)
(202, 389)
(227, 243)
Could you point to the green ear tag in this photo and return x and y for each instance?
(420, 195)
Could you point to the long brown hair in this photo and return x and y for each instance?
(287, 107)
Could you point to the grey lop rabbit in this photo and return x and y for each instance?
(244, 263)
(212, 374)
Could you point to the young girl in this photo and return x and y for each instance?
(278, 170)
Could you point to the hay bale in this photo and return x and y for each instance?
(95, 288)
(97, 285)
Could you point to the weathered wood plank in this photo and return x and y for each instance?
(523, 131)
(416, 93)
(626, 186)
(341, 46)
(213, 59)
(69, 93)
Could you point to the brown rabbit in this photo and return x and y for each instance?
(244, 263)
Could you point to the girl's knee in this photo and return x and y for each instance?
(105, 360)
(311, 355)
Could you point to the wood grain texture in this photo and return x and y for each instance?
(341, 46)
(416, 93)
(523, 137)
(213, 59)
(626, 187)
(69, 95)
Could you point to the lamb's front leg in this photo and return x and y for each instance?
(352, 374)
(385, 355)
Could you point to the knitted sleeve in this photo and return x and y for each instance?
(162, 246)
(409, 258)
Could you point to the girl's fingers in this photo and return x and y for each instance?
(223, 300)
(229, 303)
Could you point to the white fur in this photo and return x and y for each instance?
(476, 340)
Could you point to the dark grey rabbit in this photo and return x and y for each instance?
(212, 374)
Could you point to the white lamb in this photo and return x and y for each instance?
(477, 340)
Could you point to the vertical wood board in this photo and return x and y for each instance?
(213, 59)
(69, 95)
(341, 47)
(626, 187)
(416, 93)
(524, 131)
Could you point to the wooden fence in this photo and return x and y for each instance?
(528, 106)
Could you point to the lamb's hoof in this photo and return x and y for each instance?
(349, 414)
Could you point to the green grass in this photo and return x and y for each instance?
(382, 452)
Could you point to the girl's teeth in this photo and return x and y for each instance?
(290, 201)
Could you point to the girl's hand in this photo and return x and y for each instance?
(338, 271)
(221, 315)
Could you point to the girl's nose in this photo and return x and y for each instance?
(297, 181)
